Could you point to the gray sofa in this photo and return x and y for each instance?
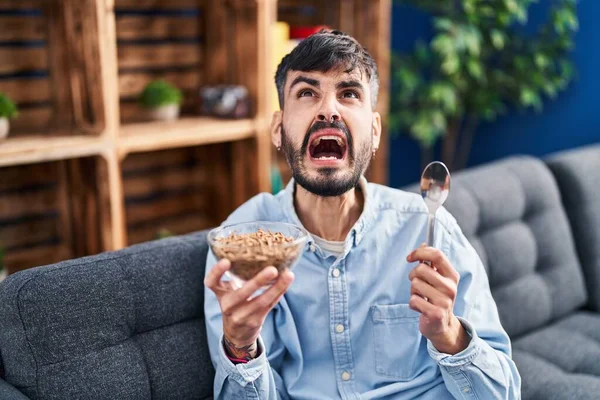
(129, 324)
(124, 325)
(536, 226)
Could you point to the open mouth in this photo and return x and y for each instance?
(327, 148)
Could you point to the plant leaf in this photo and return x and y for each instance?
(475, 69)
(443, 44)
(451, 64)
(497, 39)
(443, 24)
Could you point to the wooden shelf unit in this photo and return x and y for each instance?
(108, 178)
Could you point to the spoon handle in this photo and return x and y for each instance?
(429, 233)
(429, 238)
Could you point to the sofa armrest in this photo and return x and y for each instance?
(577, 173)
(7, 392)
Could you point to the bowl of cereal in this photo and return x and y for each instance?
(253, 246)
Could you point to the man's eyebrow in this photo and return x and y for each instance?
(349, 84)
(300, 79)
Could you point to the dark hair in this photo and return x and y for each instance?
(324, 51)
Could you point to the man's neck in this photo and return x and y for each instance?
(330, 218)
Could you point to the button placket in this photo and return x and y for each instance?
(340, 336)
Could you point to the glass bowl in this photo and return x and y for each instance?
(257, 245)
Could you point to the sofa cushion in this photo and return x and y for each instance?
(511, 212)
(8, 392)
(561, 361)
(578, 175)
(126, 324)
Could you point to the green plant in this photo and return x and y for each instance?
(8, 109)
(163, 233)
(476, 65)
(160, 93)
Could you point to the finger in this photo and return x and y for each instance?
(266, 301)
(287, 279)
(437, 258)
(261, 279)
(417, 303)
(409, 256)
(433, 295)
(434, 278)
(258, 309)
(213, 278)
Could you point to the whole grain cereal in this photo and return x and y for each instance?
(250, 253)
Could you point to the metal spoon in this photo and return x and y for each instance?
(435, 187)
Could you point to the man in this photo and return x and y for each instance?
(365, 317)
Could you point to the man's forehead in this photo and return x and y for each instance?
(333, 76)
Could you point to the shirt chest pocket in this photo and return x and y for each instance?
(397, 341)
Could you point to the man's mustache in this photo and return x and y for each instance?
(320, 125)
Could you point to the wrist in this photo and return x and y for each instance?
(454, 340)
(239, 353)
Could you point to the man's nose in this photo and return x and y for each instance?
(331, 117)
(328, 111)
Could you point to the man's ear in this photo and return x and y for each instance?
(376, 130)
(276, 122)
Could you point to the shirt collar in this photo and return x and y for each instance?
(366, 219)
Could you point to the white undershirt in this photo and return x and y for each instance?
(335, 248)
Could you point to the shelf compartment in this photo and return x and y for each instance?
(195, 45)
(174, 190)
(159, 40)
(49, 212)
(48, 66)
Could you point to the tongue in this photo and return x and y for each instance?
(327, 148)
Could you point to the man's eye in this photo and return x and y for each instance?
(350, 95)
(305, 93)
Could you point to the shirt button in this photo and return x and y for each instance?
(466, 390)
(336, 273)
(339, 328)
(312, 248)
(345, 376)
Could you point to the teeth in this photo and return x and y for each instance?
(330, 137)
(327, 158)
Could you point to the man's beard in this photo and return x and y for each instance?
(326, 185)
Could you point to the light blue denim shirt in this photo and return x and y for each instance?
(344, 328)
